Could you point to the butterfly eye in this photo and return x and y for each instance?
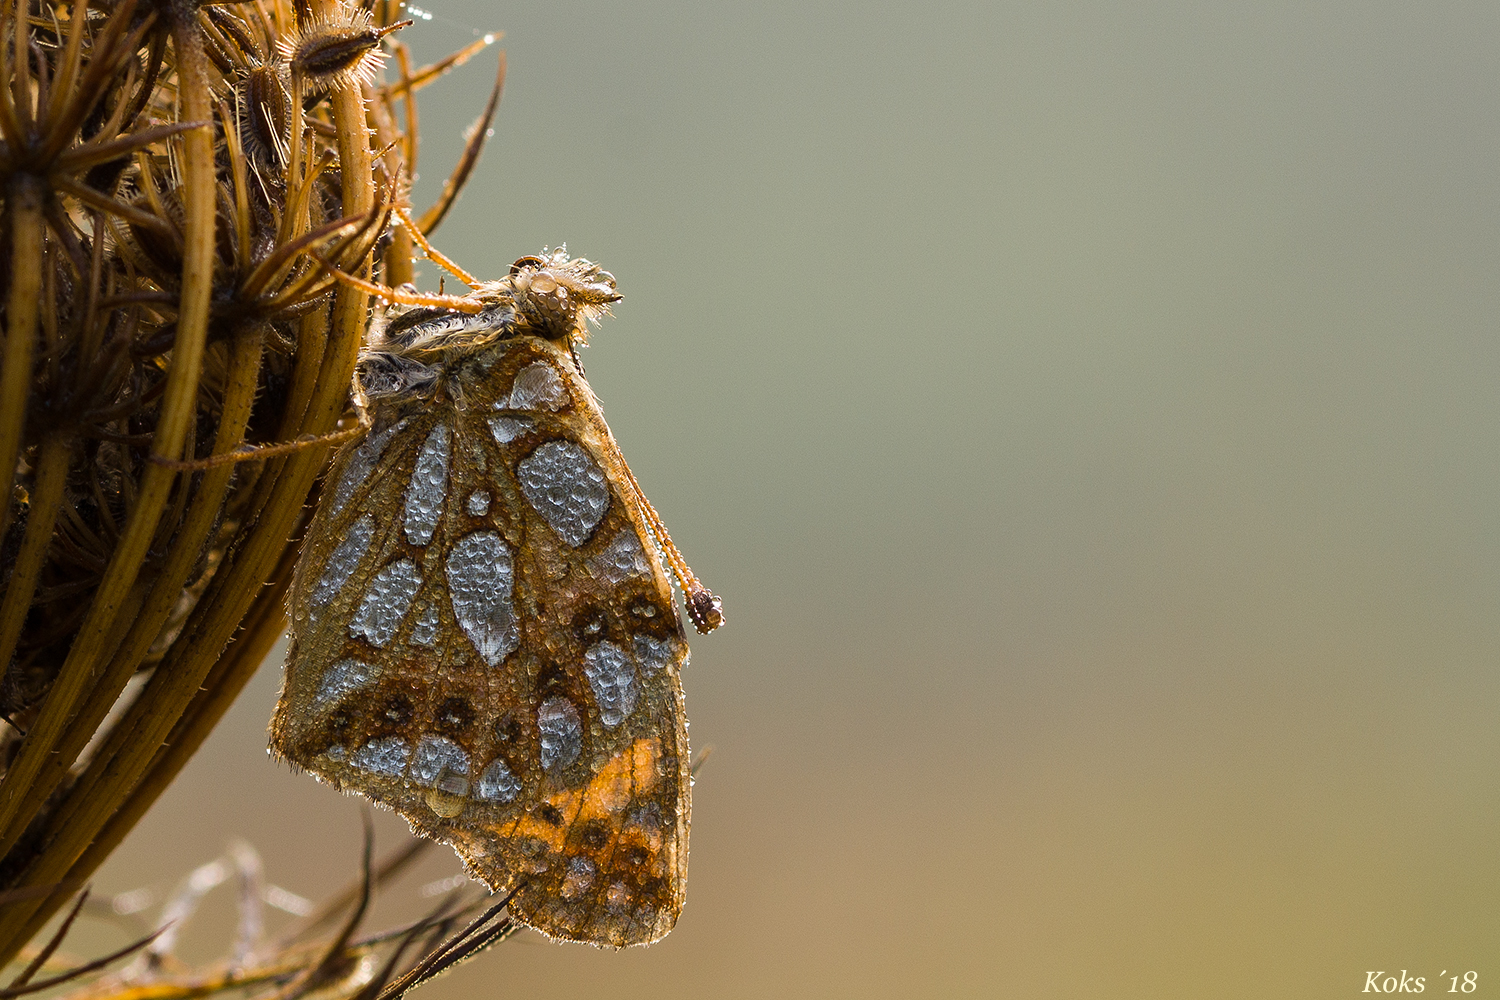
(527, 261)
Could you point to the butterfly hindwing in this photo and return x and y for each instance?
(486, 641)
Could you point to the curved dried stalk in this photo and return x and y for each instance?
(434, 216)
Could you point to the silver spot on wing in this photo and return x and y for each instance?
(342, 562)
(380, 613)
(435, 755)
(622, 558)
(425, 632)
(566, 487)
(561, 733)
(654, 654)
(612, 676)
(387, 755)
(342, 679)
(537, 387)
(429, 481)
(361, 464)
(580, 878)
(497, 784)
(507, 429)
(480, 579)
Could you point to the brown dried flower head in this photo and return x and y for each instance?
(335, 50)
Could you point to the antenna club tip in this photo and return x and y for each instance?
(704, 608)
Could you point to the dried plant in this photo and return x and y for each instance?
(179, 180)
(322, 954)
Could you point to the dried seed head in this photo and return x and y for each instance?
(236, 30)
(156, 249)
(335, 51)
(265, 114)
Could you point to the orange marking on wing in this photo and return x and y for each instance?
(630, 773)
(616, 783)
(648, 756)
(533, 825)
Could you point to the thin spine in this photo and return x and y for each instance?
(396, 264)
(71, 58)
(80, 971)
(111, 52)
(21, 68)
(81, 157)
(37, 963)
(427, 74)
(275, 268)
(434, 216)
(410, 139)
(112, 205)
(242, 234)
(391, 866)
(93, 331)
(292, 221)
(10, 122)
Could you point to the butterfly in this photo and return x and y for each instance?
(484, 636)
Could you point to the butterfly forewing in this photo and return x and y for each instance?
(486, 641)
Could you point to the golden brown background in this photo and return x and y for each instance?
(1088, 413)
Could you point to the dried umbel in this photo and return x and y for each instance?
(177, 186)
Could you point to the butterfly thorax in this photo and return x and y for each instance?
(415, 351)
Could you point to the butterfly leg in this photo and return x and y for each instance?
(261, 452)
(458, 303)
(442, 260)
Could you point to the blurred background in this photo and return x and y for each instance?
(1088, 414)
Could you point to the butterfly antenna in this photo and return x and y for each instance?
(703, 606)
(261, 452)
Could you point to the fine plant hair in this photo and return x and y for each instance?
(183, 185)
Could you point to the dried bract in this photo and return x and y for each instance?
(340, 49)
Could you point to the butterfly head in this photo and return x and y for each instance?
(557, 297)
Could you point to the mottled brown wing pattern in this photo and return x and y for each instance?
(485, 640)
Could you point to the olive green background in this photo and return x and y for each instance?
(1088, 413)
